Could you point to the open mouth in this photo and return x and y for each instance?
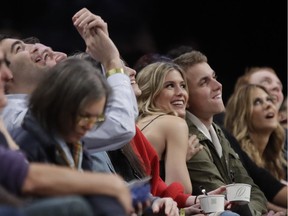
(270, 115)
(178, 103)
(39, 60)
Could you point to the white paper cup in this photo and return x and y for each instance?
(238, 193)
(212, 203)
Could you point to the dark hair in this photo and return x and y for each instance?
(149, 58)
(127, 163)
(87, 57)
(64, 91)
(4, 36)
(31, 40)
(179, 50)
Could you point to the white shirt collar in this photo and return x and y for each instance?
(196, 121)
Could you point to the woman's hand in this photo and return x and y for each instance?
(166, 205)
(193, 147)
(194, 210)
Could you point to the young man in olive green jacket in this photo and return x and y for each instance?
(217, 164)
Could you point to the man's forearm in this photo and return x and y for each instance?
(53, 180)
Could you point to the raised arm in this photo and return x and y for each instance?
(121, 112)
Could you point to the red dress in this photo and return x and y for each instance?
(145, 151)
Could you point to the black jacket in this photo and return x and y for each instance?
(39, 146)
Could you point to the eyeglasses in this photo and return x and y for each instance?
(90, 121)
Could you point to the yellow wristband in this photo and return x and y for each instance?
(114, 71)
(182, 212)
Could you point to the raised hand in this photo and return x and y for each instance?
(84, 20)
(99, 46)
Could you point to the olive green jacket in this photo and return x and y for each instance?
(208, 170)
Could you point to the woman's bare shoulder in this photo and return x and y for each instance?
(171, 122)
(173, 119)
(164, 122)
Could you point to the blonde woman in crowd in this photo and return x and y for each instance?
(266, 77)
(257, 129)
(162, 108)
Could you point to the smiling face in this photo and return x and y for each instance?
(271, 82)
(17, 50)
(132, 73)
(173, 95)
(205, 92)
(49, 56)
(27, 67)
(263, 111)
(28, 63)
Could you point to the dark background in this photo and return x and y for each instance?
(233, 34)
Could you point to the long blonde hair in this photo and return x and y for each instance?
(151, 80)
(238, 122)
